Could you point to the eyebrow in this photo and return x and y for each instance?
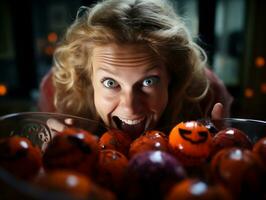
(105, 70)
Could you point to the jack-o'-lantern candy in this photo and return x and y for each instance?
(72, 150)
(190, 142)
(151, 140)
(115, 139)
(20, 157)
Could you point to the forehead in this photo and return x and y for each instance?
(125, 54)
(122, 49)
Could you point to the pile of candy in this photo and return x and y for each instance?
(190, 162)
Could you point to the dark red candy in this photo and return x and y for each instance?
(230, 137)
(66, 181)
(70, 183)
(195, 189)
(115, 139)
(240, 171)
(111, 169)
(72, 150)
(20, 157)
(259, 149)
(151, 140)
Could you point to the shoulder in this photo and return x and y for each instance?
(46, 93)
(217, 92)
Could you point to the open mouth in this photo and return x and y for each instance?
(132, 127)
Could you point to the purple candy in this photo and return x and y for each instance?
(152, 173)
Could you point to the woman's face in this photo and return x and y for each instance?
(130, 87)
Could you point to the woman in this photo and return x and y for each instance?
(133, 64)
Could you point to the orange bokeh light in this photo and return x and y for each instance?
(249, 93)
(49, 50)
(3, 90)
(263, 88)
(52, 37)
(260, 62)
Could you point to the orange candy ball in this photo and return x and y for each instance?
(151, 140)
(190, 142)
(20, 157)
(116, 140)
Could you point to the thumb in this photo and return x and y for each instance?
(217, 111)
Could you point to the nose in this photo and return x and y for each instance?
(132, 102)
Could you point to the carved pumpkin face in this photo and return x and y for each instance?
(191, 142)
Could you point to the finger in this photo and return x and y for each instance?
(217, 111)
(69, 121)
(55, 125)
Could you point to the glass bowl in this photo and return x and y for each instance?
(40, 127)
(255, 129)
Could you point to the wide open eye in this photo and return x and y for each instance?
(110, 83)
(150, 81)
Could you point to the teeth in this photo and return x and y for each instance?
(132, 122)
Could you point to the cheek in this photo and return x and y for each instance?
(161, 94)
(159, 99)
(104, 104)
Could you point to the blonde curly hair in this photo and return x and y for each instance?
(150, 22)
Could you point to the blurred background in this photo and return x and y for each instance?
(231, 31)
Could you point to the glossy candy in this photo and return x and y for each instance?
(67, 181)
(111, 169)
(230, 137)
(77, 150)
(259, 149)
(190, 142)
(20, 157)
(151, 140)
(151, 174)
(240, 171)
(115, 139)
(195, 189)
(72, 183)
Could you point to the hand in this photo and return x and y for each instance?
(55, 125)
(217, 111)
(58, 126)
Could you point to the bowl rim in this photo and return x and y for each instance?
(233, 119)
(46, 113)
(55, 115)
